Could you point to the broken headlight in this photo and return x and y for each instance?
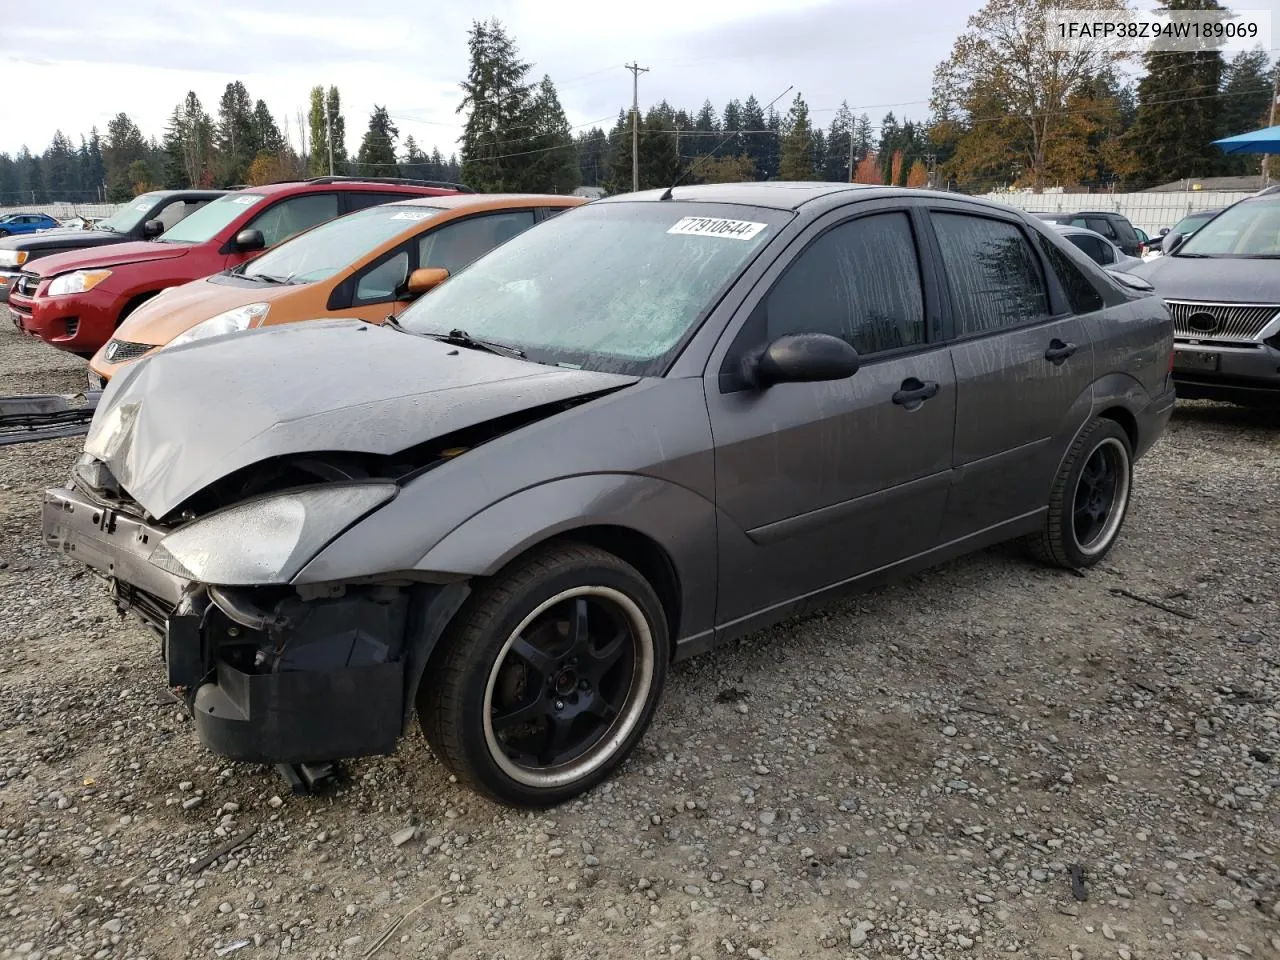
(268, 540)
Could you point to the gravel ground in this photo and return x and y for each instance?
(913, 773)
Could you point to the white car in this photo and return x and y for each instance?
(1098, 248)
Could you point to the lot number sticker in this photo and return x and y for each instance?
(411, 215)
(717, 227)
(248, 200)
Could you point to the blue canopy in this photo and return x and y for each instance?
(1266, 140)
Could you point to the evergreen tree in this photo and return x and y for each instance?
(124, 145)
(8, 180)
(237, 139)
(59, 168)
(732, 124)
(797, 144)
(1246, 102)
(497, 100)
(864, 139)
(31, 185)
(95, 169)
(265, 131)
(593, 157)
(1178, 116)
(758, 144)
(839, 139)
(659, 162)
(189, 145)
(377, 156)
(553, 165)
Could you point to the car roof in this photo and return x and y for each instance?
(453, 201)
(324, 185)
(199, 194)
(792, 196)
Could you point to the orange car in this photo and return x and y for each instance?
(369, 264)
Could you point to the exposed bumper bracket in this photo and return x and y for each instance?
(45, 416)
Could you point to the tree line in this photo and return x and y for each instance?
(1006, 111)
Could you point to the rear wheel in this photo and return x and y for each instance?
(548, 677)
(1089, 499)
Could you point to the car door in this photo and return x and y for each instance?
(1023, 363)
(818, 483)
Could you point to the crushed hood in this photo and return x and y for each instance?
(173, 423)
(114, 255)
(1213, 279)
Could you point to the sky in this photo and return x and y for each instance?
(79, 62)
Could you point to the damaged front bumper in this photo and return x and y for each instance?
(271, 675)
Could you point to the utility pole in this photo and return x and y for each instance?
(328, 132)
(1275, 95)
(931, 164)
(851, 155)
(677, 142)
(636, 70)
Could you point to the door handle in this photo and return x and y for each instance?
(1059, 351)
(914, 392)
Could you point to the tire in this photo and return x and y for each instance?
(4, 233)
(530, 711)
(1089, 498)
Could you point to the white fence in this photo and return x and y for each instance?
(64, 211)
(1148, 211)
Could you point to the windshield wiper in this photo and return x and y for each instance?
(463, 339)
(267, 278)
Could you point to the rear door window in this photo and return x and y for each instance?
(1100, 225)
(993, 274)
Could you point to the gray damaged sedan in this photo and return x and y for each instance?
(639, 430)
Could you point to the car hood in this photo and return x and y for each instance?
(162, 318)
(114, 256)
(1213, 279)
(67, 238)
(171, 424)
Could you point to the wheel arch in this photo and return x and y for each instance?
(133, 303)
(664, 530)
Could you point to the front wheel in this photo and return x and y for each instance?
(548, 677)
(1089, 499)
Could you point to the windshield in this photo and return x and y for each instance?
(1251, 228)
(324, 250)
(128, 216)
(1191, 223)
(614, 287)
(207, 222)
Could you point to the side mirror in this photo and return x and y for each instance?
(152, 229)
(1164, 231)
(805, 358)
(1131, 281)
(250, 240)
(424, 278)
(1171, 242)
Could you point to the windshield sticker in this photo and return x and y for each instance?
(412, 215)
(717, 227)
(247, 200)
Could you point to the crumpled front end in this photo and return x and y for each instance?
(271, 673)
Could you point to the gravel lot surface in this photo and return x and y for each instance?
(913, 773)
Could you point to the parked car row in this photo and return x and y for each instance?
(609, 437)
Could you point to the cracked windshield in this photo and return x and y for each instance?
(645, 275)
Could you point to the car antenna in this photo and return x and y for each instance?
(666, 194)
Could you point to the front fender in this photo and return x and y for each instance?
(682, 523)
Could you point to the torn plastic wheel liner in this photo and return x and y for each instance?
(46, 416)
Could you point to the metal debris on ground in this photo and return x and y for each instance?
(235, 843)
(1158, 604)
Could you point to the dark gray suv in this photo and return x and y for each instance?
(1222, 286)
(632, 433)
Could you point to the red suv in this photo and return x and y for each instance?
(76, 300)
